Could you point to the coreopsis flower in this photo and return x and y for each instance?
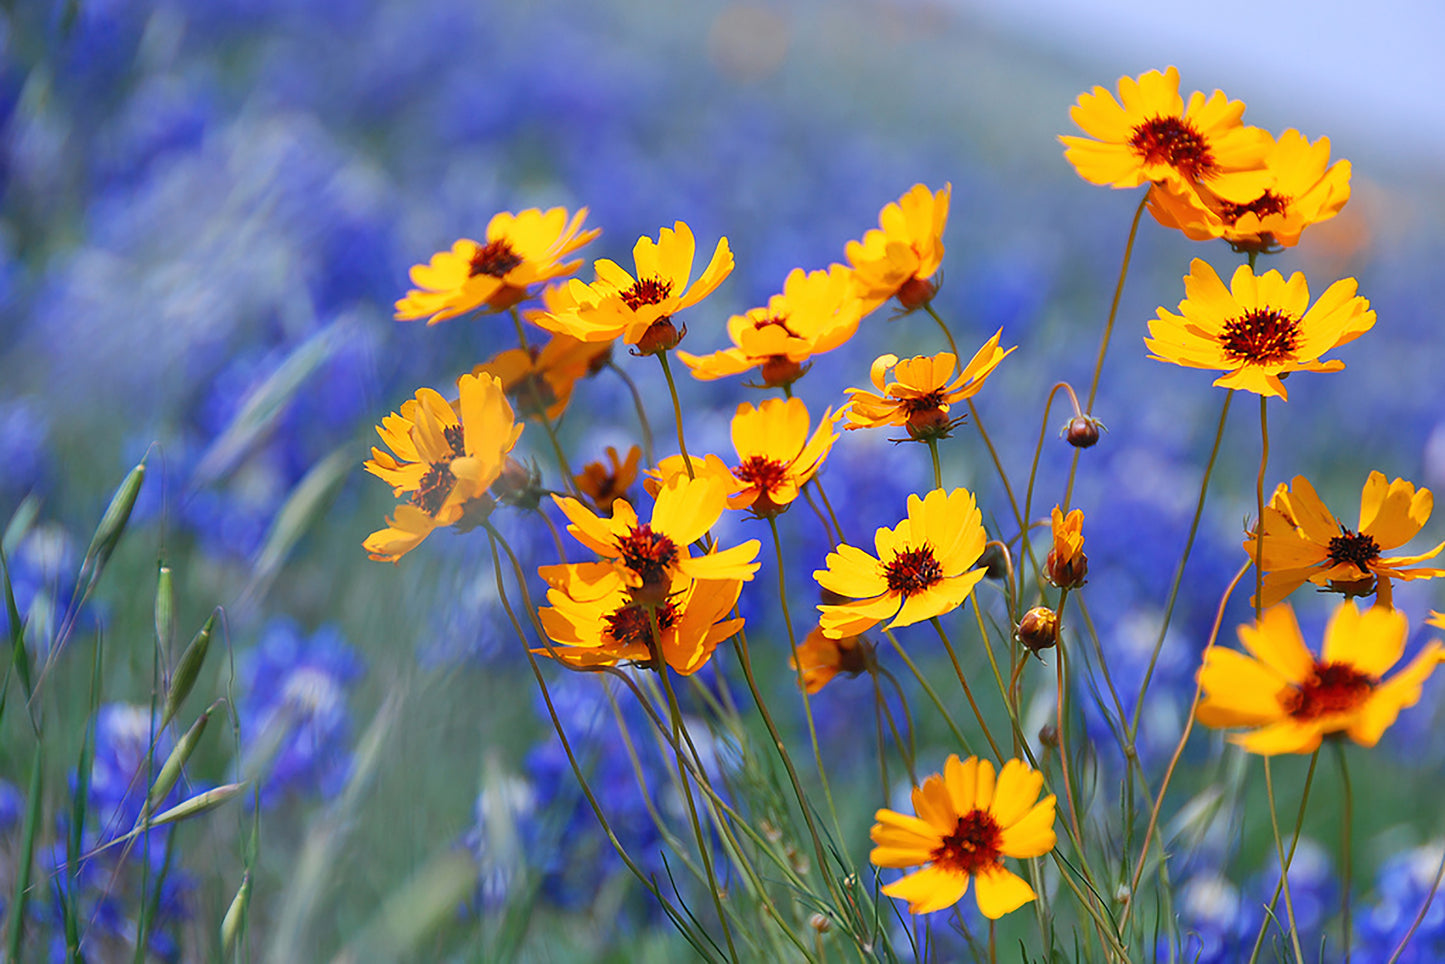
(1150, 134)
(595, 619)
(605, 484)
(901, 255)
(443, 459)
(925, 567)
(1066, 563)
(1259, 329)
(1290, 699)
(816, 312)
(540, 380)
(648, 555)
(821, 658)
(521, 250)
(639, 310)
(921, 390)
(968, 820)
(1304, 542)
(1306, 189)
(776, 456)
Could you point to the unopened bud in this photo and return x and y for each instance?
(994, 560)
(916, 292)
(662, 335)
(1082, 431)
(1049, 736)
(1067, 571)
(780, 370)
(820, 923)
(928, 423)
(1039, 629)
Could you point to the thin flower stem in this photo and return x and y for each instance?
(1179, 570)
(911, 753)
(1347, 818)
(677, 413)
(642, 421)
(802, 687)
(1034, 470)
(1259, 507)
(1283, 869)
(1061, 718)
(1299, 823)
(522, 341)
(1104, 341)
(952, 345)
(937, 467)
(1002, 475)
(968, 693)
(568, 480)
(932, 693)
(817, 483)
(556, 536)
(829, 534)
(1178, 751)
(1420, 914)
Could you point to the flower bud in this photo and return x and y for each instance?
(916, 292)
(1039, 629)
(779, 371)
(1067, 571)
(1049, 736)
(662, 335)
(1082, 431)
(994, 561)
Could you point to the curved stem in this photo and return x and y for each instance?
(1283, 869)
(967, 692)
(1347, 816)
(646, 426)
(677, 413)
(817, 483)
(932, 693)
(1420, 914)
(952, 345)
(1299, 823)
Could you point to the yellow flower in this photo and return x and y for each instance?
(604, 485)
(595, 620)
(923, 568)
(776, 457)
(968, 821)
(816, 312)
(921, 393)
(648, 555)
(521, 250)
(822, 658)
(1257, 329)
(443, 457)
(1290, 700)
(640, 310)
(901, 256)
(1066, 563)
(1150, 134)
(1303, 541)
(1306, 190)
(540, 380)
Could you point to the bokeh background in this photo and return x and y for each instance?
(207, 209)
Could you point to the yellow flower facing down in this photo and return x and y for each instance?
(1258, 329)
(1289, 699)
(921, 390)
(1150, 134)
(816, 312)
(822, 658)
(1304, 542)
(639, 310)
(540, 380)
(605, 484)
(647, 555)
(901, 255)
(924, 567)
(443, 458)
(595, 620)
(968, 820)
(1066, 563)
(1306, 189)
(521, 250)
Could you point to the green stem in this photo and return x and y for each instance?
(937, 467)
(932, 693)
(967, 692)
(952, 345)
(642, 421)
(1347, 817)
(677, 413)
(1259, 507)
(1283, 867)
(521, 331)
(1299, 823)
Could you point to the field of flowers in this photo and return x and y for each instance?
(556, 482)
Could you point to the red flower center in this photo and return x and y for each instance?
(1334, 688)
(1262, 336)
(631, 626)
(762, 472)
(1263, 206)
(494, 259)
(1354, 548)
(913, 571)
(437, 482)
(646, 291)
(649, 554)
(923, 403)
(1174, 141)
(973, 845)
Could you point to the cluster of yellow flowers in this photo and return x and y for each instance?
(661, 592)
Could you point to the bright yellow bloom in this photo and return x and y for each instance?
(604, 485)
(1303, 541)
(1150, 134)
(640, 310)
(1257, 329)
(1066, 563)
(968, 821)
(595, 620)
(920, 393)
(822, 658)
(924, 567)
(445, 458)
(816, 312)
(901, 255)
(521, 250)
(1290, 700)
(648, 555)
(776, 457)
(540, 380)
(1306, 190)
